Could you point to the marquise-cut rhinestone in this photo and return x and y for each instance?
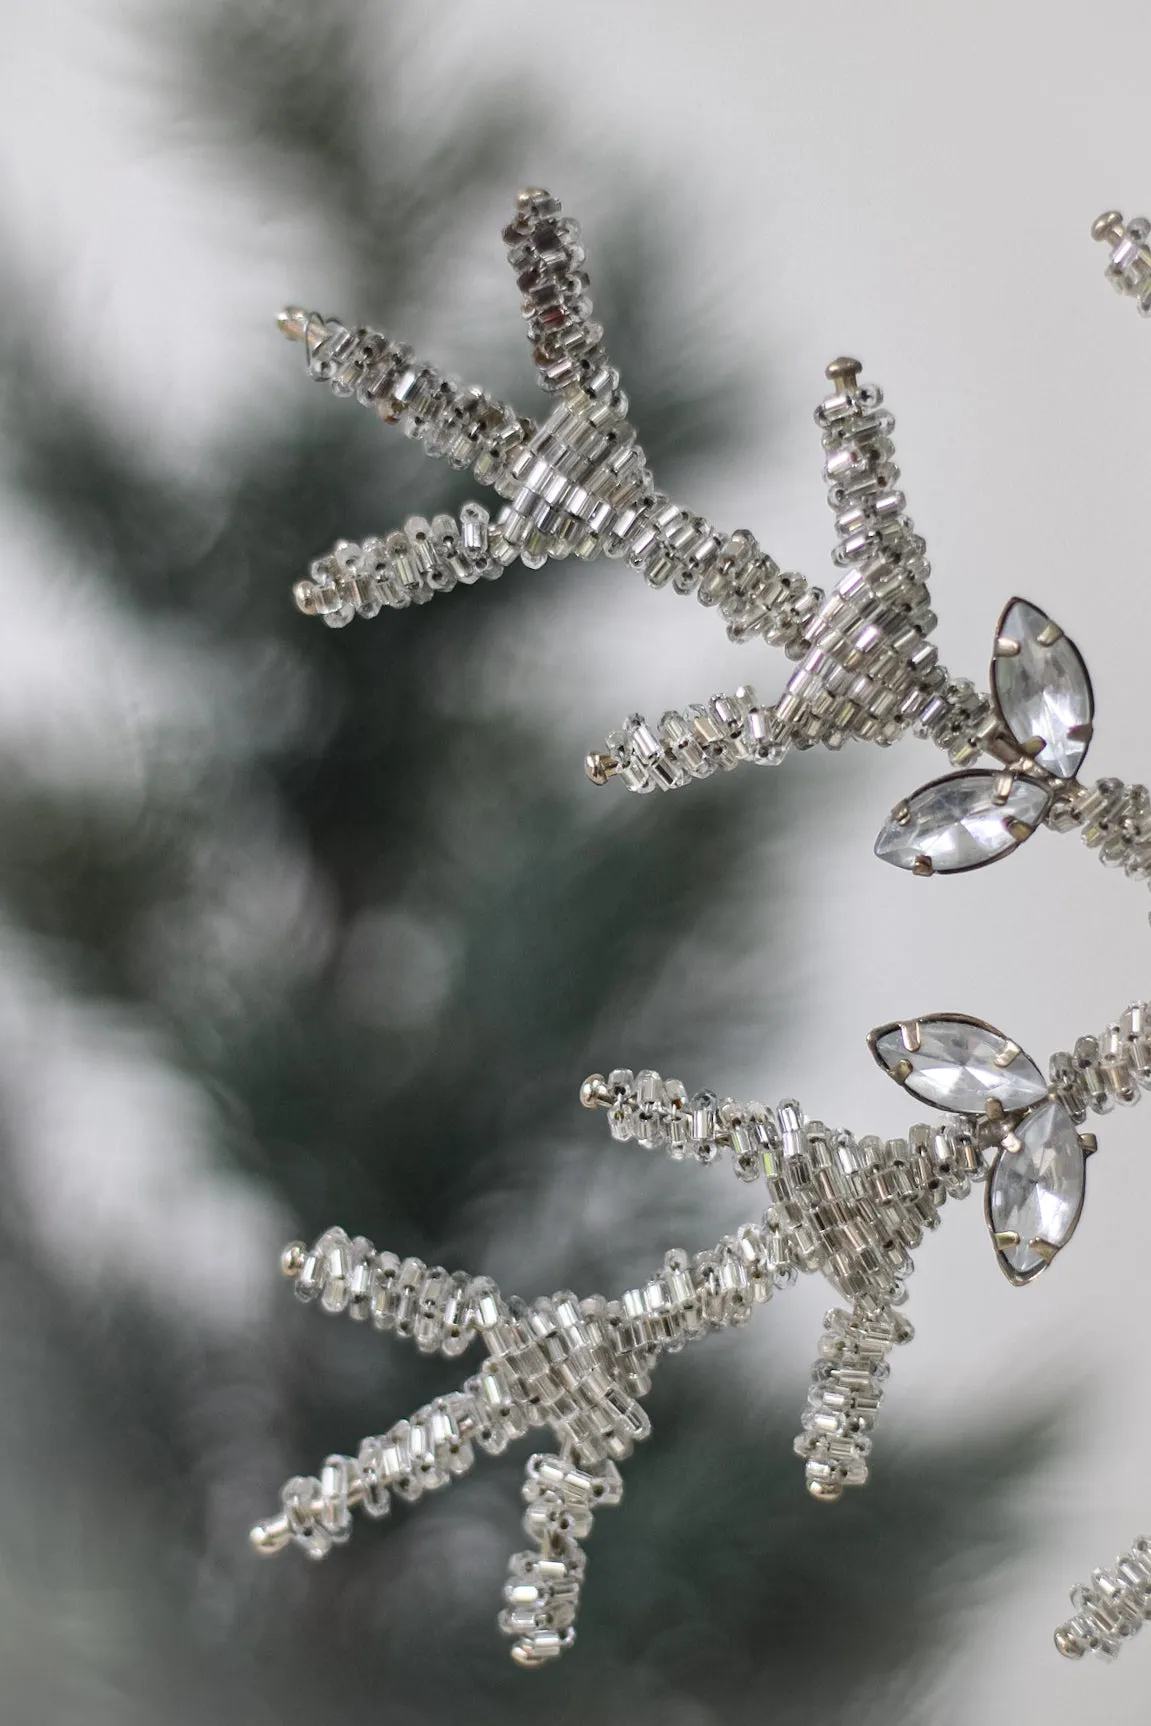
(1043, 690)
(962, 822)
(960, 1066)
(1036, 1192)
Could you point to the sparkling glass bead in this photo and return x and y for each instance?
(961, 822)
(1042, 689)
(1036, 1192)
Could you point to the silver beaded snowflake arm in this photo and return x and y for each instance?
(1036, 724)
(1001, 1116)
(547, 258)
(866, 667)
(1100, 1072)
(870, 672)
(1110, 1608)
(854, 1209)
(1112, 1068)
(580, 1368)
(467, 426)
(576, 484)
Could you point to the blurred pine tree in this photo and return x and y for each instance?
(383, 943)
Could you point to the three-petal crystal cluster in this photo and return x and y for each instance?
(850, 1207)
(1035, 1190)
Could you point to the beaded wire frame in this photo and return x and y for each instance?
(854, 1208)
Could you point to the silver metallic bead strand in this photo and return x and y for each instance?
(695, 1294)
(741, 1272)
(464, 424)
(672, 547)
(658, 1114)
(582, 485)
(576, 485)
(545, 252)
(543, 1588)
(579, 1367)
(855, 1210)
(1111, 1608)
(418, 1455)
(441, 1311)
(1113, 819)
(870, 669)
(867, 668)
(559, 1360)
(695, 744)
(960, 719)
(1113, 1068)
(846, 1391)
(1129, 266)
(408, 567)
(579, 480)
(731, 729)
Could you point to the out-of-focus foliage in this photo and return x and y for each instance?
(367, 923)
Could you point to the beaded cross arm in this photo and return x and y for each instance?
(577, 484)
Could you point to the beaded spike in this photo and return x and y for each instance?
(1110, 1608)
(580, 1368)
(1129, 266)
(854, 1209)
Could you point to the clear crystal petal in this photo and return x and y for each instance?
(961, 822)
(1043, 691)
(1036, 1192)
(959, 1065)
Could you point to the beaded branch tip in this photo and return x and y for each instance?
(853, 1208)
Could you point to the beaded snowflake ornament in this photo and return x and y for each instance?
(577, 484)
